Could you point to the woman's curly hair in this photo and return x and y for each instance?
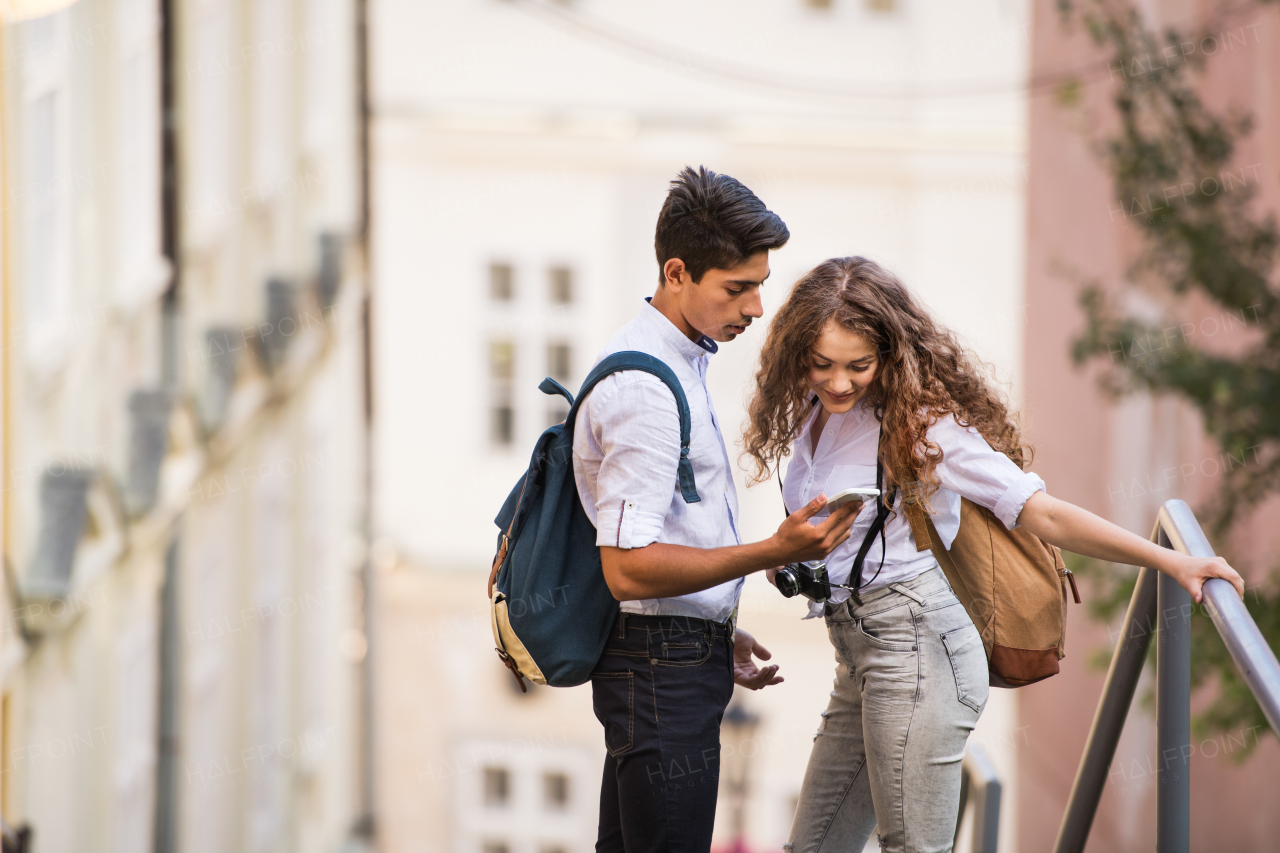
(923, 374)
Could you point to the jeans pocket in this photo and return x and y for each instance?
(688, 653)
(837, 613)
(613, 700)
(890, 630)
(968, 665)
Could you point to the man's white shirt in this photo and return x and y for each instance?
(626, 447)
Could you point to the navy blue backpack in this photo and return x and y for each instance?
(551, 607)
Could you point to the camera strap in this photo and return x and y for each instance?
(883, 507)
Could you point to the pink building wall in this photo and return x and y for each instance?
(1097, 453)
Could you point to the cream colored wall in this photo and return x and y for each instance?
(265, 508)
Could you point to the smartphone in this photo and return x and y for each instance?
(848, 496)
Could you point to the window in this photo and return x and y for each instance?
(561, 281)
(323, 69)
(497, 788)
(503, 423)
(210, 73)
(270, 66)
(559, 362)
(555, 791)
(540, 802)
(502, 360)
(502, 372)
(559, 367)
(44, 220)
(45, 184)
(502, 287)
(140, 268)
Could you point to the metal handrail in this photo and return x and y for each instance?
(1160, 608)
(1249, 650)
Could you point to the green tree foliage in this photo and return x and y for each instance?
(1176, 175)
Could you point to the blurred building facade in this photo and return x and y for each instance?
(185, 663)
(1123, 459)
(520, 153)
(184, 412)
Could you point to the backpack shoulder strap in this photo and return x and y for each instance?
(919, 520)
(631, 360)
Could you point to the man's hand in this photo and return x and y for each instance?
(797, 540)
(745, 671)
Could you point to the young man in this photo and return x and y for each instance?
(667, 673)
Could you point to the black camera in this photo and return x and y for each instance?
(809, 580)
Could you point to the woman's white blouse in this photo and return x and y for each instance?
(846, 458)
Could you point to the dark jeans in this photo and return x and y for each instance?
(660, 690)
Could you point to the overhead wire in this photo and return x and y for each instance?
(596, 29)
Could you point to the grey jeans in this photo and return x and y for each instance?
(911, 682)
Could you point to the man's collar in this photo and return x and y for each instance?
(677, 338)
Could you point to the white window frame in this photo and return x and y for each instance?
(270, 66)
(142, 272)
(524, 823)
(44, 331)
(210, 79)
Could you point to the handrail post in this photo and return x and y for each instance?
(1173, 714)
(984, 791)
(1108, 720)
(1159, 599)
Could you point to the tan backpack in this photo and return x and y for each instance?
(1012, 583)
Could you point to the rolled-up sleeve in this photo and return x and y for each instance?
(970, 468)
(636, 426)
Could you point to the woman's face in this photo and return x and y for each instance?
(842, 366)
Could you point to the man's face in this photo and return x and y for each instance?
(725, 302)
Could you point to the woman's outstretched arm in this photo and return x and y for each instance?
(1074, 529)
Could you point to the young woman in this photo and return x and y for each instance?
(851, 364)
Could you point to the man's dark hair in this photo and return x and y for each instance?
(711, 221)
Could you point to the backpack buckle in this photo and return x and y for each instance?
(515, 670)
